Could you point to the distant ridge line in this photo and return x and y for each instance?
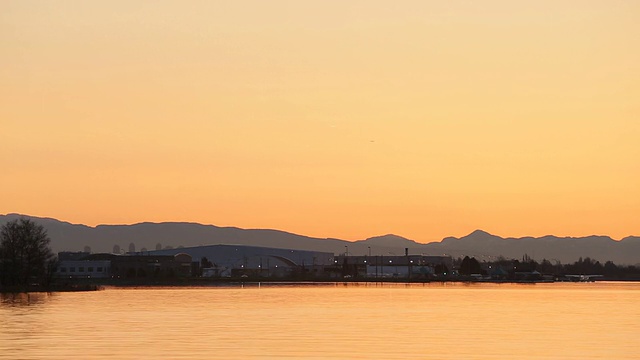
(479, 243)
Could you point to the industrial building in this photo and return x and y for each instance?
(85, 265)
(393, 266)
(233, 261)
(238, 260)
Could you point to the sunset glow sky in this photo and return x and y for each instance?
(343, 119)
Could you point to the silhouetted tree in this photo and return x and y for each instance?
(546, 267)
(87, 249)
(25, 255)
(524, 266)
(585, 266)
(116, 249)
(205, 263)
(132, 247)
(158, 246)
(528, 264)
(610, 269)
(470, 266)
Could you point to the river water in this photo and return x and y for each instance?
(330, 321)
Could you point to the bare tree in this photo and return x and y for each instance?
(25, 255)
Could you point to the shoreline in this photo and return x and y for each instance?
(83, 285)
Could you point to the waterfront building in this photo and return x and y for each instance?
(151, 266)
(392, 266)
(104, 265)
(84, 269)
(237, 260)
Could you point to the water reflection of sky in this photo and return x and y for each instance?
(333, 321)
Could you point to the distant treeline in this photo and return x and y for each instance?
(584, 266)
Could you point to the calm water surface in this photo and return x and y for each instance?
(336, 321)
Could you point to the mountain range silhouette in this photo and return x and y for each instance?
(479, 244)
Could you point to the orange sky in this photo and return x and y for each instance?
(333, 119)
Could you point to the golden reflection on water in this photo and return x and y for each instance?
(24, 299)
(335, 321)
